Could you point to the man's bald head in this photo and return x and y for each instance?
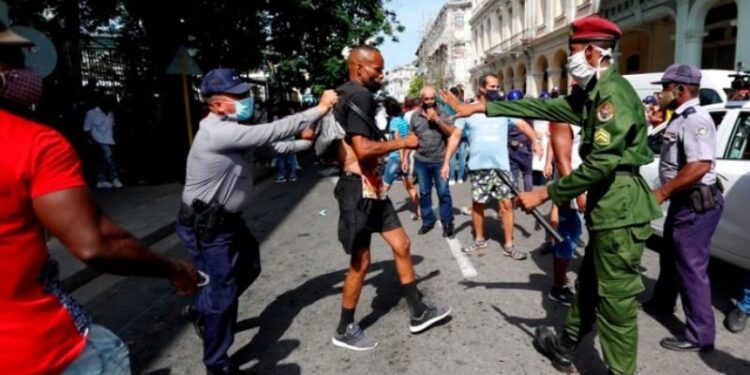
(362, 54)
(365, 64)
(428, 96)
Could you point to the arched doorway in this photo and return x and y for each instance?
(720, 41)
(520, 79)
(508, 81)
(541, 77)
(559, 72)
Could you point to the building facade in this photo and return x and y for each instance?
(445, 54)
(525, 42)
(657, 33)
(399, 81)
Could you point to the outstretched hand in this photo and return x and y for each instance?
(462, 109)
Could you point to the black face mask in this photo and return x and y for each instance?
(428, 106)
(373, 86)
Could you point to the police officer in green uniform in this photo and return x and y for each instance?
(620, 205)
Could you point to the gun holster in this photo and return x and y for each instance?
(703, 198)
(204, 218)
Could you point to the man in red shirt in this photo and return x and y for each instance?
(43, 330)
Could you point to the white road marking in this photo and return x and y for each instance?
(467, 269)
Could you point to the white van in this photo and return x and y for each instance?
(716, 85)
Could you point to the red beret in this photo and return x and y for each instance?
(593, 28)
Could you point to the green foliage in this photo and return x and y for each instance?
(415, 87)
(299, 41)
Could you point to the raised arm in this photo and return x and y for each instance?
(234, 137)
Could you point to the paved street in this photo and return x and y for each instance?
(288, 315)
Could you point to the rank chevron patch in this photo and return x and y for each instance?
(602, 137)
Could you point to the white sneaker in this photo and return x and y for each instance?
(104, 185)
(452, 182)
(460, 181)
(116, 183)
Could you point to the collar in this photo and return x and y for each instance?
(685, 106)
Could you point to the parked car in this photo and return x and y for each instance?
(731, 242)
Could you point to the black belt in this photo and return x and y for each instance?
(627, 170)
(187, 215)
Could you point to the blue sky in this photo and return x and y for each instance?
(412, 14)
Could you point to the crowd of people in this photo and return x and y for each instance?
(377, 141)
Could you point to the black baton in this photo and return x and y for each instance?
(534, 212)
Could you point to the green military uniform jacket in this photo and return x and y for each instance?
(613, 140)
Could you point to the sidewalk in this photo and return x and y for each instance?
(146, 211)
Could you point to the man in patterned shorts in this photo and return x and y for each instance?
(488, 157)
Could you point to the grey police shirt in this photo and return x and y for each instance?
(432, 142)
(219, 164)
(689, 137)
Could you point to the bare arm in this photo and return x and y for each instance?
(92, 236)
(453, 141)
(561, 141)
(366, 148)
(529, 132)
(446, 128)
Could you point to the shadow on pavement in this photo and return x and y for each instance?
(278, 316)
(587, 359)
(725, 363)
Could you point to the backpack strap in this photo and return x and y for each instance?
(367, 119)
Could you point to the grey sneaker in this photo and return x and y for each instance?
(478, 244)
(431, 315)
(513, 253)
(354, 338)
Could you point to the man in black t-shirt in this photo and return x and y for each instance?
(364, 207)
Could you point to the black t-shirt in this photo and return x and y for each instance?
(353, 123)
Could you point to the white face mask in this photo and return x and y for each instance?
(580, 69)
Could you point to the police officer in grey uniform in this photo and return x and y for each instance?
(218, 184)
(688, 180)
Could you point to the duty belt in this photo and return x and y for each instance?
(187, 215)
(627, 170)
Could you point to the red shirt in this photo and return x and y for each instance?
(38, 331)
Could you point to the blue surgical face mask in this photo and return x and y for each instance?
(243, 110)
(492, 95)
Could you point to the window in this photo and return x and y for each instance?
(738, 149)
(633, 64)
(559, 8)
(458, 21)
(718, 117)
(541, 13)
(708, 96)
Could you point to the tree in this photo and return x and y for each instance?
(299, 41)
(306, 38)
(415, 86)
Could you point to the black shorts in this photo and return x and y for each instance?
(359, 218)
